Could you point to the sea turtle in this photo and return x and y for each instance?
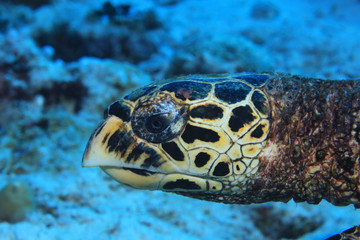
(236, 138)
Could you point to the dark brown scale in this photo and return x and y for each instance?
(188, 90)
(118, 109)
(181, 184)
(221, 169)
(258, 131)
(259, 101)
(232, 92)
(193, 133)
(240, 117)
(209, 111)
(173, 150)
(202, 159)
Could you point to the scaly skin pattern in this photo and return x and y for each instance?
(313, 146)
(236, 138)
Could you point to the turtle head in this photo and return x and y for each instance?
(182, 136)
(138, 145)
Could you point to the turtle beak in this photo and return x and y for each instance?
(98, 152)
(114, 144)
(131, 161)
(126, 158)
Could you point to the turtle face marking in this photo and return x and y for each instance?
(260, 102)
(194, 133)
(222, 167)
(120, 110)
(195, 136)
(232, 92)
(133, 97)
(257, 134)
(198, 134)
(187, 91)
(173, 150)
(208, 111)
(241, 119)
(201, 159)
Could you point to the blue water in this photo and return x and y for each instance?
(62, 62)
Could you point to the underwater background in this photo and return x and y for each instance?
(63, 61)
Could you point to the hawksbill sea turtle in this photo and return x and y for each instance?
(236, 138)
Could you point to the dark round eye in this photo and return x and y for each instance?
(158, 120)
(156, 123)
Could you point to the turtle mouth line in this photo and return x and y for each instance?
(135, 177)
(147, 172)
(145, 179)
(140, 172)
(143, 172)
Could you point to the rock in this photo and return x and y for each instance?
(264, 10)
(16, 200)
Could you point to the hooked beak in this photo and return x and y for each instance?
(134, 162)
(114, 147)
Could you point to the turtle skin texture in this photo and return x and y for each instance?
(236, 138)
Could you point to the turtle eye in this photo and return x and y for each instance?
(157, 123)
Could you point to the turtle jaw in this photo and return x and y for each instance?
(173, 182)
(113, 144)
(136, 178)
(129, 160)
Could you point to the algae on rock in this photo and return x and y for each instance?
(16, 200)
